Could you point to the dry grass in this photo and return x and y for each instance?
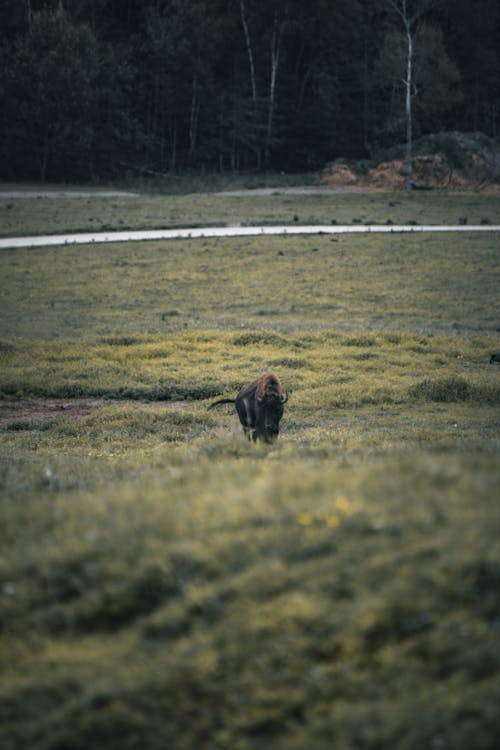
(428, 284)
(164, 583)
(47, 215)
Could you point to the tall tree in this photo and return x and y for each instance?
(89, 87)
(409, 15)
(249, 49)
(50, 95)
(263, 33)
(276, 36)
(175, 57)
(472, 32)
(413, 60)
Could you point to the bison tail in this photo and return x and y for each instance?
(223, 401)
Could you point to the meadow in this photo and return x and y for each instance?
(166, 584)
(46, 215)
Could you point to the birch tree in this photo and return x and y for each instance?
(249, 48)
(275, 58)
(264, 107)
(409, 15)
(413, 60)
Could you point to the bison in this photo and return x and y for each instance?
(260, 407)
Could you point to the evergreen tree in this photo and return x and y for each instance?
(90, 88)
(49, 98)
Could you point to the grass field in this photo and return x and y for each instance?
(45, 215)
(166, 584)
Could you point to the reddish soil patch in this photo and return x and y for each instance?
(448, 160)
(25, 410)
(429, 171)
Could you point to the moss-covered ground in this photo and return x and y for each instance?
(166, 584)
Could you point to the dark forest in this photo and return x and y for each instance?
(95, 89)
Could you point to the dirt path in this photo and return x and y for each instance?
(20, 412)
(13, 192)
(86, 238)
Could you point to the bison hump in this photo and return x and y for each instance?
(269, 385)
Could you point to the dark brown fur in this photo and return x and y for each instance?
(260, 407)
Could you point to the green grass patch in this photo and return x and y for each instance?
(320, 369)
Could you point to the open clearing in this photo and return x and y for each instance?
(166, 584)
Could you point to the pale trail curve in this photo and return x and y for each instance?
(87, 238)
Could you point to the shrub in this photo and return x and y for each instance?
(453, 389)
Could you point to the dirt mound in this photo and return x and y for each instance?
(458, 161)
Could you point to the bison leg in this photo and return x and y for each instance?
(247, 416)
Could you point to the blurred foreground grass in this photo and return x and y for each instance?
(165, 584)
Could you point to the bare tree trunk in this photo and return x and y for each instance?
(401, 8)
(366, 106)
(275, 56)
(410, 21)
(408, 107)
(193, 118)
(44, 161)
(253, 81)
(173, 147)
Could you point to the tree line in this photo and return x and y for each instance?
(91, 89)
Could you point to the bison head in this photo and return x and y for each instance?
(269, 413)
